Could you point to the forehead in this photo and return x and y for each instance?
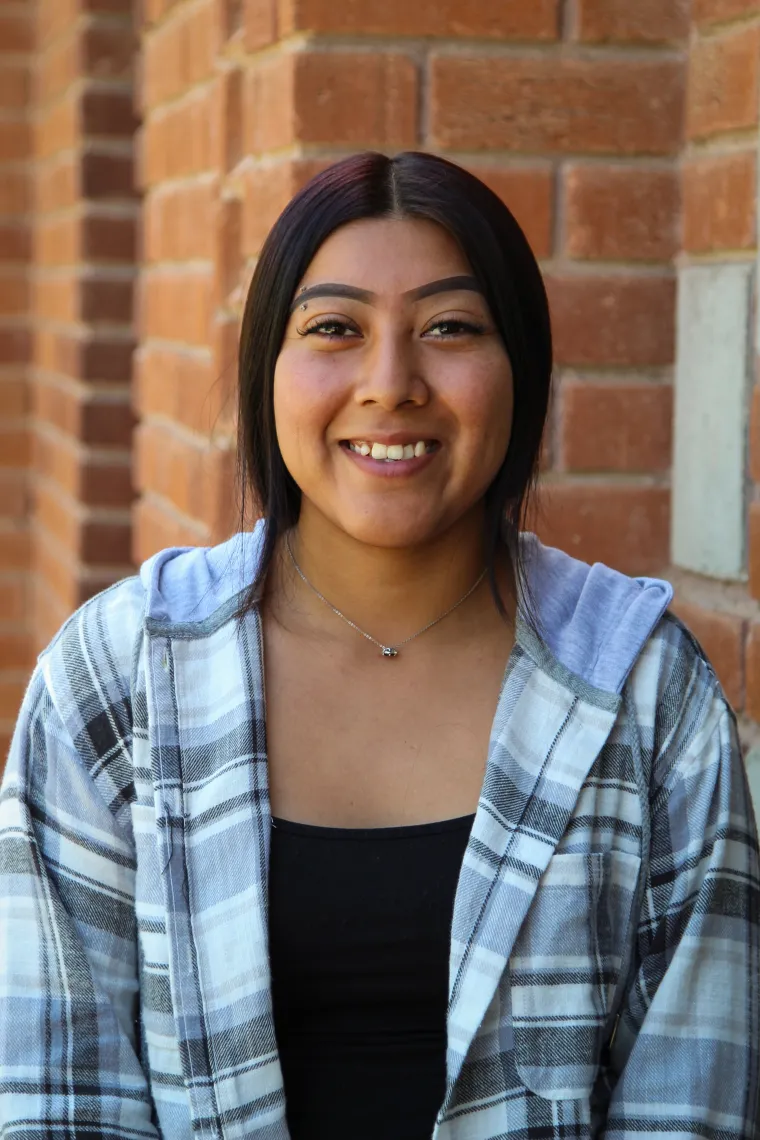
(387, 255)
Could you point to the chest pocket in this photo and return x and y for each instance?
(565, 968)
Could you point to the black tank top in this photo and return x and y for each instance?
(359, 935)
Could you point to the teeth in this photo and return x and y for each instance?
(389, 452)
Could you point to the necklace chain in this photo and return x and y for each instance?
(386, 650)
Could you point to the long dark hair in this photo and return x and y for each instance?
(409, 185)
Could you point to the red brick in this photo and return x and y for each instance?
(60, 129)
(86, 237)
(719, 202)
(179, 54)
(613, 320)
(362, 99)
(109, 239)
(646, 21)
(717, 11)
(15, 344)
(14, 495)
(90, 537)
(107, 113)
(267, 190)
(12, 691)
(177, 222)
(15, 140)
(16, 651)
(556, 104)
(104, 357)
(182, 139)
(722, 638)
(260, 23)
(176, 306)
(14, 293)
(15, 241)
(753, 548)
(621, 213)
(13, 398)
(107, 175)
(69, 239)
(97, 419)
(752, 672)
(14, 546)
(106, 299)
(528, 191)
(626, 526)
(156, 526)
(723, 88)
(228, 109)
(228, 262)
(14, 445)
(487, 19)
(13, 604)
(108, 51)
(97, 481)
(15, 191)
(170, 466)
(14, 85)
(16, 31)
(616, 427)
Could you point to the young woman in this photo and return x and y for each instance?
(478, 860)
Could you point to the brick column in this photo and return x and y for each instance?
(84, 250)
(16, 43)
(717, 266)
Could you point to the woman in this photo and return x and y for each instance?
(481, 863)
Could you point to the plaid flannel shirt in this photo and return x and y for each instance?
(605, 948)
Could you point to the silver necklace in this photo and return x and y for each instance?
(385, 650)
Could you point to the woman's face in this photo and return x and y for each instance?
(390, 351)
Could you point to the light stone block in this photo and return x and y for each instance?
(711, 410)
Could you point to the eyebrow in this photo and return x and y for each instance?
(335, 289)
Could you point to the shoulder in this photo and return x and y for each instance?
(683, 718)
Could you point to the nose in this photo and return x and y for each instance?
(389, 375)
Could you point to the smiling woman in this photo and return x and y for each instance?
(257, 880)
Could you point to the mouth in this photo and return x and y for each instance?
(390, 452)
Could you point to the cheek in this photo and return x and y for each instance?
(484, 409)
(306, 398)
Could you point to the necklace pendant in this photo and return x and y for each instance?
(389, 651)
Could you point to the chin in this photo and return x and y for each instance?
(390, 534)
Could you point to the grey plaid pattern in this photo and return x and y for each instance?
(605, 953)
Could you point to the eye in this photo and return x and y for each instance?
(330, 328)
(449, 328)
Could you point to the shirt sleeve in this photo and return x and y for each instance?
(685, 1059)
(68, 952)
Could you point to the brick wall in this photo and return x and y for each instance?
(84, 265)
(16, 43)
(719, 183)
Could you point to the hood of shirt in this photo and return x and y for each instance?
(593, 619)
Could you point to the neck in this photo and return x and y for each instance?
(390, 593)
